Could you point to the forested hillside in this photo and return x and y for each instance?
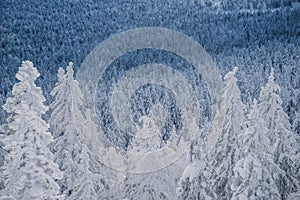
(46, 126)
(253, 35)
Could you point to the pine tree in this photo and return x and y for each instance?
(83, 186)
(29, 170)
(285, 142)
(71, 155)
(256, 172)
(223, 147)
(195, 182)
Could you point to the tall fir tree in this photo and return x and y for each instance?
(29, 171)
(255, 174)
(71, 155)
(227, 126)
(285, 142)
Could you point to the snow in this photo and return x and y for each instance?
(294, 196)
(259, 152)
(29, 171)
(71, 155)
(283, 140)
(148, 129)
(193, 170)
(255, 36)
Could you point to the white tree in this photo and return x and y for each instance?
(256, 172)
(71, 155)
(195, 182)
(223, 147)
(285, 142)
(29, 170)
(83, 186)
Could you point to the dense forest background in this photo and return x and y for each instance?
(253, 35)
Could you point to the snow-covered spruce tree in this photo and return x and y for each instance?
(71, 155)
(29, 170)
(256, 172)
(195, 182)
(285, 142)
(223, 146)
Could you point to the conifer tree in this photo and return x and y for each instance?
(196, 182)
(29, 171)
(256, 172)
(71, 155)
(223, 146)
(285, 142)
